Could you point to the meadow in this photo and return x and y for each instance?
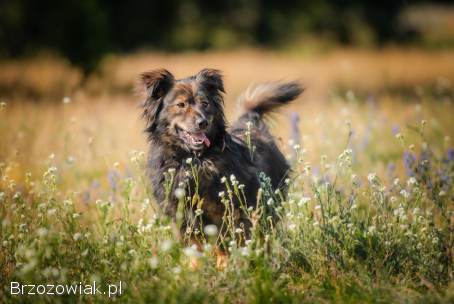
(368, 217)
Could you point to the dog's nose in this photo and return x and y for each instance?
(202, 122)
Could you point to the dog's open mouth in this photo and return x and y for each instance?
(195, 140)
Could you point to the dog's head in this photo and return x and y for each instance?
(187, 113)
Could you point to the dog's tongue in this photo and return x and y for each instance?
(201, 136)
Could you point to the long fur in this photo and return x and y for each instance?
(228, 153)
(269, 96)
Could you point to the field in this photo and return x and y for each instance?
(368, 217)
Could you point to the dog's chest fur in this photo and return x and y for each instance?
(233, 158)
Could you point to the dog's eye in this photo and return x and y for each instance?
(204, 104)
(181, 105)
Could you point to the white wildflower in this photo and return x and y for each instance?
(210, 230)
(303, 201)
(411, 181)
(372, 177)
(166, 245)
(77, 236)
(404, 193)
(179, 193)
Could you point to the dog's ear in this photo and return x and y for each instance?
(211, 79)
(156, 84)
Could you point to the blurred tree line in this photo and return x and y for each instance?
(84, 30)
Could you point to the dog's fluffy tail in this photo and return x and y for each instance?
(269, 96)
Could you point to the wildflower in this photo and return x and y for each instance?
(287, 181)
(67, 202)
(221, 194)
(77, 236)
(179, 193)
(191, 251)
(41, 232)
(404, 193)
(269, 202)
(245, 251)
(232, 178)
(153, 262)
(238, 230)
(171, 170)
(442, 193)
(411, 181)
(393, 199)
(223, 179)
(399, 136)
(241, 186)
(51, 211)
(166, 245)
(317, 207)
(76, 215)
(189, 160)
(198, 212)
(303, 201)
(396, 181)
(210, 230)
(372, 177)
(70, 159)
(372, 229)
(66, 100)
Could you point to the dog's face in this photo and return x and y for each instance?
(187, 113)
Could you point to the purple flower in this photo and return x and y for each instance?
(409, 162)
(395, 129)
(451, 154)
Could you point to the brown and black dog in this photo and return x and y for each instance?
(185, 119)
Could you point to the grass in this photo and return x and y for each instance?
(368, 218)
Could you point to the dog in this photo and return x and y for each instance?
(186, 126)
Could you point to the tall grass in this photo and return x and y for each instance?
(368, 217)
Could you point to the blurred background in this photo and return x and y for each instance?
(68, 71)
